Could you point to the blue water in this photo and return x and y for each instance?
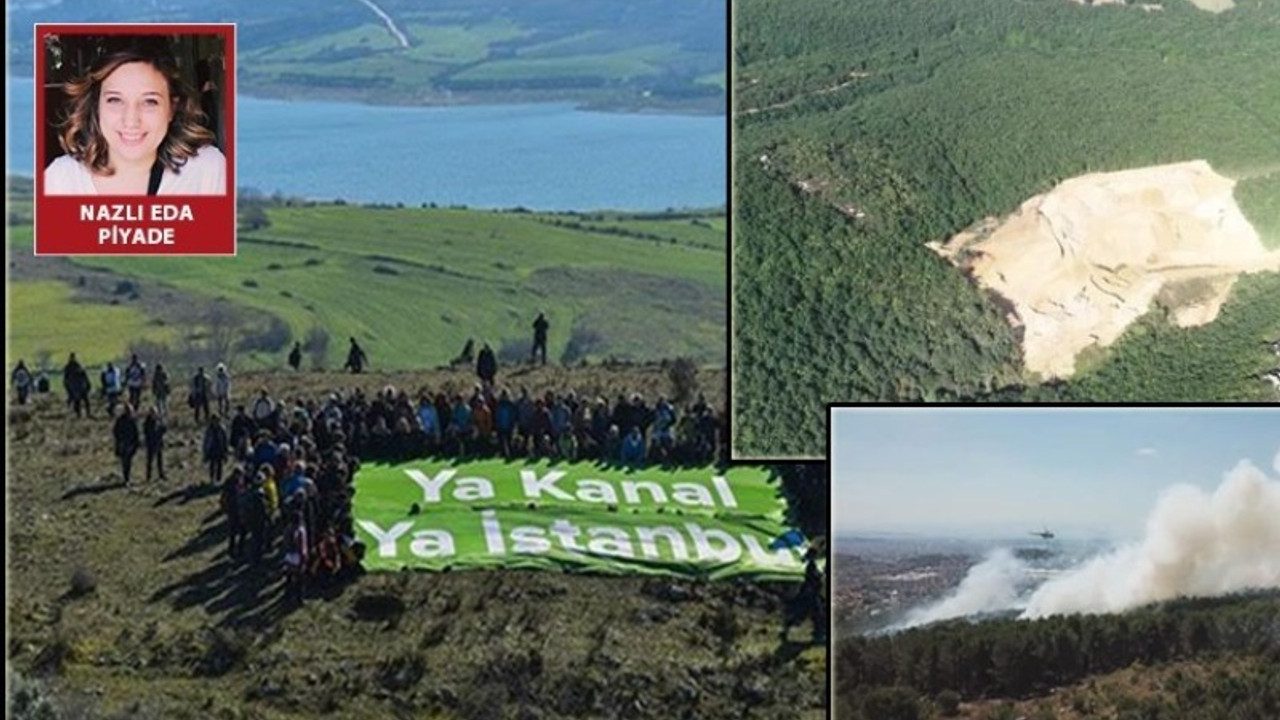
(542, 157)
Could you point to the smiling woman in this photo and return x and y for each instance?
(134, 126)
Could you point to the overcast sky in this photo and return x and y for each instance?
(1080, 472)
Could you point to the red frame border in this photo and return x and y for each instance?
(210, 237)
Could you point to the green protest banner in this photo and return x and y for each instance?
(702, 522)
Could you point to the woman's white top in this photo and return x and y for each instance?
(205, 173)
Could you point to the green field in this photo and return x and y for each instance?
(615, 66)
(927, 117)
(46, 321)
(371, 36)
(412, 285)
(648, 53)
(461, 43)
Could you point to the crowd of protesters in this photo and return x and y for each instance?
(291, 479)
(285, 468)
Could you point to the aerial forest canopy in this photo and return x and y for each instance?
(865, 130)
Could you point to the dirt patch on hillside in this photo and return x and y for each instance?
(1083, 261)
(1214, 6)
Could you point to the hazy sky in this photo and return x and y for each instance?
(1077, 471)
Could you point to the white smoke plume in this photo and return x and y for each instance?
(1196, 544)
(990, 585)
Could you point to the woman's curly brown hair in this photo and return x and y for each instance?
(81, 135)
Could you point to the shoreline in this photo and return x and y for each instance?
(580, 104)
(284, 200)
(584, 101)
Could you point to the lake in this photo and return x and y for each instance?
(542, 157)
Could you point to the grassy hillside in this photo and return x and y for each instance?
(864, 131)
(174, 631)
(412, 285)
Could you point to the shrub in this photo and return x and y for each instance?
(515, 351)
(891, 703)
(27, 700)
(272, 339)
(316, 345)
(583, 343)
(683, 375)
(83, 582)
(949, 703)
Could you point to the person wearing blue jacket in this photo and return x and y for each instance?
(111, 388)
(429, 422)
(460, 424)
(504, 421)
(633, 448)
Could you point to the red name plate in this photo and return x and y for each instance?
(136, 225)
(162, 224)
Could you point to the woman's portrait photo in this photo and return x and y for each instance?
(134, 115)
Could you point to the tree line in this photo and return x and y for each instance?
(1021, 659)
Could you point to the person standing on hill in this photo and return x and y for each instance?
(429, 423)
(633, 448)
(242, 427)
(504, 421)
(198, 398)
(487, 365)
(664, 421)
(135, 378)
(222, 389)
(295, 558)
(76, 381)
(111, 387)
(215, 448)
(264, 410)
(234, 489)
(356, 358)
(21, 379)
(295, 356)
(807, 604)
(153, 430)
(125, 433)
(540, 327)
(160, 389)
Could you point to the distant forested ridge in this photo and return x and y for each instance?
(865, 130)
(637, 54)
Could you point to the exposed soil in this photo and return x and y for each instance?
(1083, 261)
(1214, 6)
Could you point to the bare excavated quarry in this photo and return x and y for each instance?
(1079, 264)
(1213, 6)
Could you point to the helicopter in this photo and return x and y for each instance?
(1046, 534)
